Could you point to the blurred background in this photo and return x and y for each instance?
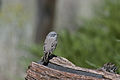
(89, 33)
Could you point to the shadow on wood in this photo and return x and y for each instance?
(60, 68)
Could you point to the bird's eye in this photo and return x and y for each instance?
(53, 35)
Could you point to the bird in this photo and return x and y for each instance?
(50, 44)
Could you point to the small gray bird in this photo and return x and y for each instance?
(49, 46)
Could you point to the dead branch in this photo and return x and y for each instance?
(60, 68)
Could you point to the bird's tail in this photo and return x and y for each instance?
(46, 58)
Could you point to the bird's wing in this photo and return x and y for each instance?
(54, 44)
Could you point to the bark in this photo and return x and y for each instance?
(60, 68)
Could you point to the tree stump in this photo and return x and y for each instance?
(60, 68)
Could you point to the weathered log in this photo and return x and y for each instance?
(60, 68)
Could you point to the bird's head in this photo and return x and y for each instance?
(52, 34)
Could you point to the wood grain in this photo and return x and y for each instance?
(60, 68)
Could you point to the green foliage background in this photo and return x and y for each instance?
(96, 42)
